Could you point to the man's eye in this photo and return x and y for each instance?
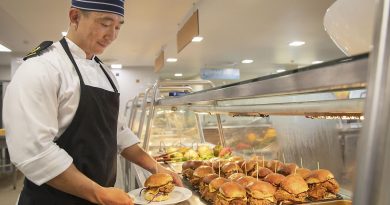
(105, 25)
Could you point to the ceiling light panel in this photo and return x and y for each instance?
(4, 49)
(297, 43)
(247, 61)
(197, 39)
(178, 74)
(171, 60)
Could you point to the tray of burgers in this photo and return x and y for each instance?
(258, 182)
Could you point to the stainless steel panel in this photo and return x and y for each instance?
(315, 79)
(337, 202)
(301, 108)
(372, 178)
(186, 82)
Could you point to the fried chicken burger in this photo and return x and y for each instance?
(245, 181)
(234, 177)
(261, 193)
(293, 189)
(261, 173)
(303, 172)
(287, 169)
(199, 173)
(322, 185)
(230, 168)
(188, 168)
(274, 179)
(211, 193)
(204, 184)
(158, 187)
(231, 193)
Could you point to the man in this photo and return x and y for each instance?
(61, 115)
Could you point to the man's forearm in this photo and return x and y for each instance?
(138, 156)
(73, 182)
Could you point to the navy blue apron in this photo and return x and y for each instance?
(90, 139)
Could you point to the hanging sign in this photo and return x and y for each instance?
(220, 74)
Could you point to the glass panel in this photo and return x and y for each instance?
(173, 128)
(331, 144)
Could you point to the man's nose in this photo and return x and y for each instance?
(112, 34)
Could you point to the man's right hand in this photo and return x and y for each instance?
(112, 196)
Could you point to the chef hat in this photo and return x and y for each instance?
(111, 6)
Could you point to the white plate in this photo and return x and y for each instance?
(178, 194)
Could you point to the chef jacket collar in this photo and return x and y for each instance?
(76, 50)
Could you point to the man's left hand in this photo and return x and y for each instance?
(175, 176)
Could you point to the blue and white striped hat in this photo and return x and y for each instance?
(111, 6)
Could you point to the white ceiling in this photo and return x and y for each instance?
(232, 29)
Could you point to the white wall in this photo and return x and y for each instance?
(5, 73)
(129, 88)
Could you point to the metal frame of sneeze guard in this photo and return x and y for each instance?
(150, 102)
(373, 160)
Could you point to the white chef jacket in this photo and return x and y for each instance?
(40, 103)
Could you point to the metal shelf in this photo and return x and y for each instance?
(340, 74)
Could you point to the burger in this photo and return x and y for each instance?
(261, 173)
(249, 166)
(236, 176)
(274, 179)
(261, 193)
(204, 184)
(218, 164)
(230, 168)
(210, 193)
(239, 163)
(199, 173)
(293, 189)
(188, 168)
(274, 165)
(287, 169)
(231, 193)
(184, 167)
(158, 187)
(303, 172)
(322, 185)
(246, 180)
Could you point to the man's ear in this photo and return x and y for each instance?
(74, 16)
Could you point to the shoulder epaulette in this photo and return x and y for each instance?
(38, 50)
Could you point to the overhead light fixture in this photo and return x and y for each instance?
(64, 33)
(116, 66)
(171, 60)
(197, 39)
(247, 61)
(178, 74)
(280, 70)
(4, 49)
(317, 62)
(297, 43)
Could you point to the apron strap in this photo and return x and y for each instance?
(105, 73)
(67, 51)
